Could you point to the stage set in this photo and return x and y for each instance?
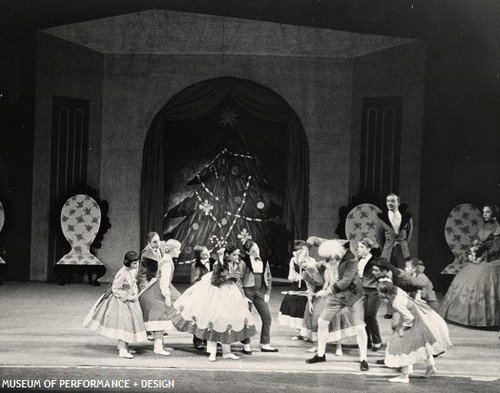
(228, 107)
(212, 129)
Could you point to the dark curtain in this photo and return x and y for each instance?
(200, 99)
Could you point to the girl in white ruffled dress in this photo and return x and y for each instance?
(215, 308)
(117, 313)
(419, 334)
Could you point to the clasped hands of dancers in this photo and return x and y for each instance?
(344, 294)
(217, 307)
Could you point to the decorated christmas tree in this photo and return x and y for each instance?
(231, 201)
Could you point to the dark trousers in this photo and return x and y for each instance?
(198, 342)
(257, 298)
(397, 258)
(372, 304)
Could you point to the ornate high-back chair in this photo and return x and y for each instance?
(361, 222)
(460, 231)
(80, 222)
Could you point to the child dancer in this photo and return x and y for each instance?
(215, 308)
(419, 334)
(371, 300)
(415, 267)
(313, 274)
(294, 303)
(117, 313)
(157, 298)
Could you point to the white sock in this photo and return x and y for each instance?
(322, 336)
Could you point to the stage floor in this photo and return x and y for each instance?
(41, 327)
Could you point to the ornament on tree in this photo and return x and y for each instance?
(206, 207)
(260, 205)
(244, 236)
(228, 117)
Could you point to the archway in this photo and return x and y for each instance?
(189, 110)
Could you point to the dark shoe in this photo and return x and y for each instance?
(364, 365)
(317, 359)
(269, 349)
(380, 361)
(387, 316)
(246, 352)
(376, 347)
(199, 347)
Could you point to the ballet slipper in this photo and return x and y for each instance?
(400, 379)
(230, 355)
(161, 351)
(313, 349)
(125, 354)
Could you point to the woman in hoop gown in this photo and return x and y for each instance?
(473, 298)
